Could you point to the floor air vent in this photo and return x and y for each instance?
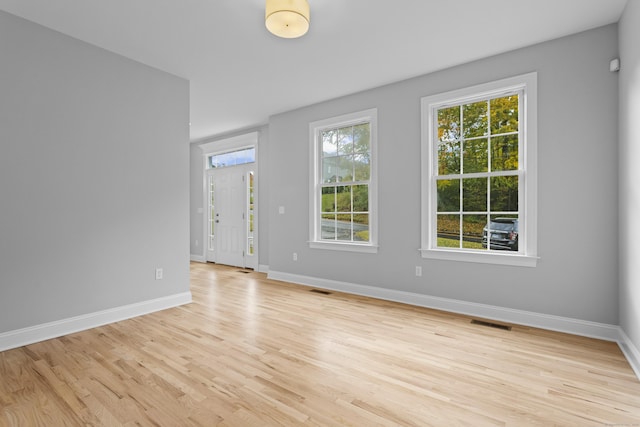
(491, 325)
(320, 291)
(243, 271)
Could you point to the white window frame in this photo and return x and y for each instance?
(315, 179)
(527, 172)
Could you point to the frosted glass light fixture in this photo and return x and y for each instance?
(287, 18)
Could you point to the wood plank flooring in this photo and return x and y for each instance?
(254, 352)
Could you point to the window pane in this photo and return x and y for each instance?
(449, 158)
(362, 219)
(343, 198)
(472, 226)
(503, 232)
(246, 156)
(449, 124)
(329, 145)
(361, 138)
(211, 213)
(474, 194)
(504, 114)
(504, 153)
(328, 199)
(345, 140)
(504, 194)
(361, 198)
(476, 156)
(345, 168)
(329, 170)
(226, 159)
(233, 158)
(344, 227)
(328, 227)
(448, 195)
(448, 229)
(361, 167)
(361, 227)
(475, 119)
(250, 209)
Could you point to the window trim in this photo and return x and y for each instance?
(528, 171)
(366, 116)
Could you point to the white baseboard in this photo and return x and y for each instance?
(262, 268)
(198, 258)
(32, 334)
(520, 317)
(630, 351)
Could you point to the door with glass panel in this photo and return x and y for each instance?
(231, 214)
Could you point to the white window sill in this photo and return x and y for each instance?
(505, 258)
(349, 247)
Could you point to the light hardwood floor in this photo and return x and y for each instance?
(254, 352)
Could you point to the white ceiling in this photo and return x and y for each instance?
(240, 74)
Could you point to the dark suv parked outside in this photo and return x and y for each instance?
(504, 234)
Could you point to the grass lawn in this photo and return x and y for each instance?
(452, 243)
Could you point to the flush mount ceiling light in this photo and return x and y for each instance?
(287, 18)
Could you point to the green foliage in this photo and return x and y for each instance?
(362, 236)
(464, 130)
(448, 195)
(347, 199)
(346, 166)
(504, 114)
(472, 226)
(443, 242)
(346, 154)
(474, 194)
(469, 135)
(475, 119)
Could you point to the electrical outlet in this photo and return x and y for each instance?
(418, 271)
(159, 274)
(295, 256)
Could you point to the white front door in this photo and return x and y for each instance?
(230, 216)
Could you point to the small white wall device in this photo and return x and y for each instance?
(614, 65)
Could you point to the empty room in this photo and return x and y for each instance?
(319, 213)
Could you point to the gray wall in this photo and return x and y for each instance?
(577, 274)
(630, 172)
(93, 178)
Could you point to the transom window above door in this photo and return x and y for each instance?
(232, 158)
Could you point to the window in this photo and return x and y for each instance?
(232, 158)
(250, 213)
(343, 192)
(479, 173)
